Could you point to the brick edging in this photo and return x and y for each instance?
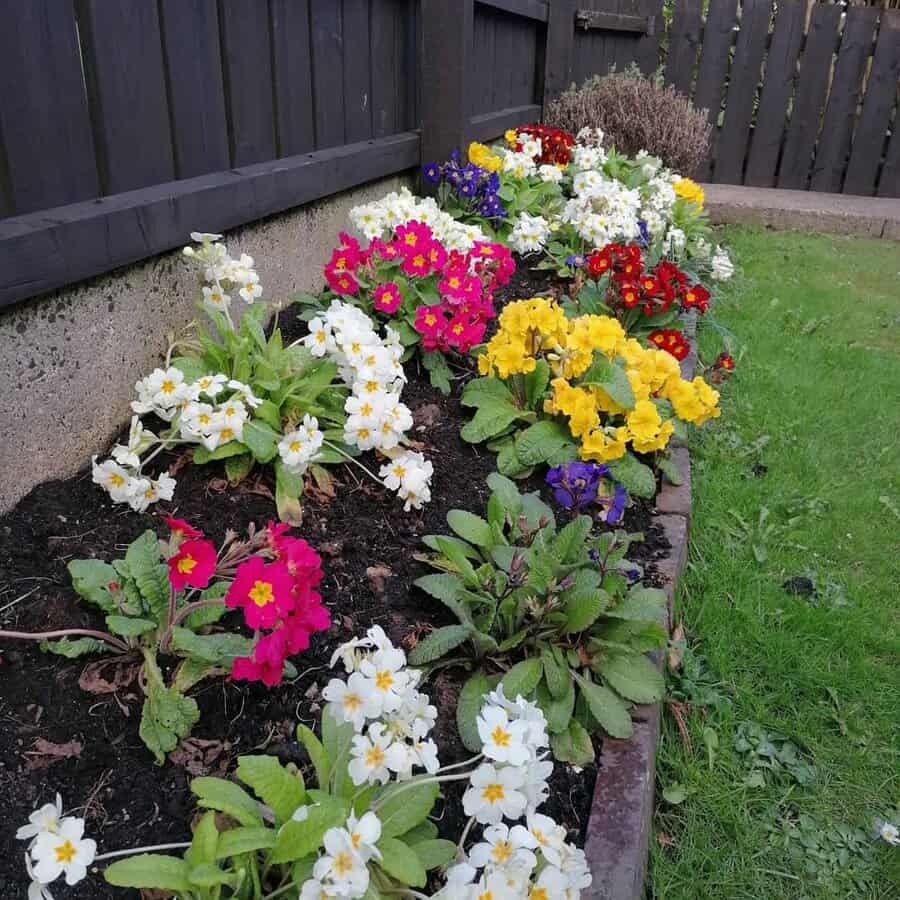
(621, 816)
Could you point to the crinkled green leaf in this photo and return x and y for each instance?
(150, 574)
(522, 678)
(541, 441)
(573, 745)
(298, 839)
(126, 626)
(440, 642)
(218, 649)
(606, 708)
(471, 528)
(634, 476)
(633, 676)
(72, 649)
(167, 717)
(280, 789)
(91, 579)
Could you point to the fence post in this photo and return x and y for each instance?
(559, 49)
(447, 33)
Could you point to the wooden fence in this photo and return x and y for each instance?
(126, 123)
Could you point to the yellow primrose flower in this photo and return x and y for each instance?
(646, 429)
(511, 137)
(602, 447)
(481, 155)
(690, 192)
(693, 401)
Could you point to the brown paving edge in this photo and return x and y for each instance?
(621, 816)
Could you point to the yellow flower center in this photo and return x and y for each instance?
(374, 757)
(539, 893)
(294, 446)
(502, 851)
(410, 239)
(418, 261)
(363, 433)
(351, 701)
(343, 863)
(384, 680)
(261, 593)
(399, 471)
(500, 737)
(226, 434)
(65, 852)
(116, 480)
(493, 792)
(365, 409)
(320, 337)
(168, 386)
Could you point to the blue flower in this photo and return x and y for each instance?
(577, 262)
(644, 232)
(579, 484)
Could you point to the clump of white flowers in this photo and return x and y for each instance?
(529, 233)
(603, 209)
(530, 860)
(341, 870)
(391, 717)
(224, 275)
(57, 847)
(379, 218)
(376, 417)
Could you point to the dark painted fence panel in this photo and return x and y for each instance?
(292, 69)
(44, 118)
(684, 44)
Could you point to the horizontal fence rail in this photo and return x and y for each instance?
(126, 123)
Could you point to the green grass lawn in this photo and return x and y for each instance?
(799, 479)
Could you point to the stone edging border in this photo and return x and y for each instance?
(621, 816)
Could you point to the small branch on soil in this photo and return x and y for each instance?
(65, 632)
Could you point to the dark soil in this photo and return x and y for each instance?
(112, 781)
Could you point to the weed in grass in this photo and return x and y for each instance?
(771, 757)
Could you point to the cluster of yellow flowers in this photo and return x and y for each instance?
(690, 192)
(480, 155)
(530, 329)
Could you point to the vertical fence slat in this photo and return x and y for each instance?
(44, 114)
(881, 92)
(745, 75)
(247, 60)
(504, 60)
(127, 88)
(840, 113)
(815, 72)
(293, 76)
(482, 62)
(193, 62)
(713, 68)
(889, 183)
(357, 71)
(385, 54)
(781, 62)
(559, 48)
(446, 57)
(647, 53)
(328, 63)
(684, 42)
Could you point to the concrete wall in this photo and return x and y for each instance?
(69, 359)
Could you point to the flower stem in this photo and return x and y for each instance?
(349, 458)
(65, 632)
(433, 779)
(464, 835)
(290, 886)
(133, 850)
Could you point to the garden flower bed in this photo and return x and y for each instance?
(76, 725)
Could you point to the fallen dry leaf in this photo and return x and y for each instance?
(93, 682)
(676, 648)
(44, 753)
(426, 415)
(378, 576)
(665, 841)
(198, 756)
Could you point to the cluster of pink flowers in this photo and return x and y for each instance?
(279, 598)
(387, 273)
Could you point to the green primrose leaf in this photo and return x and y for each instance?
(633, 676)
(471, 528)
(612, 378)
(403, 806)
(227, 797)
(440, 642)
(149, 870)
(91, 579)
(471, 698)
(401, 862)
(282, 790)
(522, 678)
(634, 476)
(606, 708)
(573, 745)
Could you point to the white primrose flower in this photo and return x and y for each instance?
(162, 392)
(519, 165)
(409, 474)
(505, 847)
(245, 393)
(550, 174)
(498, 886)
(341, 865)
(535, 787)
(495, 793)
(63, 852)
(529, 233)
(313, 889)
(503, 741)
(115, 480)
(365, 834)
(674, 241)
(138, 439)
(36, 890)
(215, 299)
(549, 837)
(47, 818)
(575, 867)
(302, 446)
(250, 288)
(552, 884)
(204, 237)
(887, 832)
(211, 385)
(353, 700)
(385, 671)
(374, 756)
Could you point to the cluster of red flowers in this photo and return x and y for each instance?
(653, 290)
(671, 340)
(279, 597)
(465, 282)
(556, 144)
(466, 288)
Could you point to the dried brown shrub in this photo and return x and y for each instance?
(636, 113)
